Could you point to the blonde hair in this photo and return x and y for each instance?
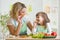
(18, 6)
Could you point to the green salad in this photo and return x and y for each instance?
(41, 35)
(37, 35)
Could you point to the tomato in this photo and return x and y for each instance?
(54, 34)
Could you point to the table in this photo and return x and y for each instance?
(30, 38)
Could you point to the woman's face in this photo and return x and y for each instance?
(22, 12)
(40, 19)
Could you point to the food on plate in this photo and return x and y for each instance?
(47, 34)
(38, 35)
(43, 35)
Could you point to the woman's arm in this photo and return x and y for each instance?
(12, 29)
(30, 26)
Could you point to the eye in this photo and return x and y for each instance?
(37, 16)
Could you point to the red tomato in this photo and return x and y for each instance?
(54, 34)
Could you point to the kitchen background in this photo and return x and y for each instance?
(51, 7)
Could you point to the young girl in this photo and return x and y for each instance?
(41, 23)
(17, 24)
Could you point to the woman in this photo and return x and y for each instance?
(17, 24)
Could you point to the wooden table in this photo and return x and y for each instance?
(30, 38)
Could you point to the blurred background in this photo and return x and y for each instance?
(51, 7)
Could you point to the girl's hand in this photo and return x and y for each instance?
(35, 23)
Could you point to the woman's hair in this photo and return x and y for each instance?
(44, 15)
(18, 6)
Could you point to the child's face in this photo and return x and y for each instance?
(22, 12)
(40, 19)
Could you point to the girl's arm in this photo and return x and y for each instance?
(49, 28)
(34, 27)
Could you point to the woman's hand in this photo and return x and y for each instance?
(19, 20)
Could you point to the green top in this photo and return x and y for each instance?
(23, 29)
(41, 29)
